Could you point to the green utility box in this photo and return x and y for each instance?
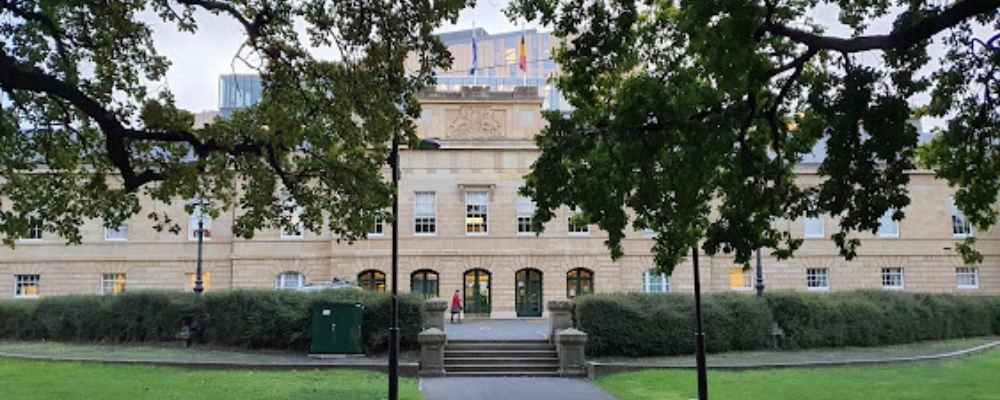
(336, 328)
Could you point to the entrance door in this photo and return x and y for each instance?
(477, 292)
(528, 293)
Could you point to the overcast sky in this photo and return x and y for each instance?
(199, 59)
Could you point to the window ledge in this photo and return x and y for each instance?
(892, 287)
(962, 287)
(115, 240)
(818, 289)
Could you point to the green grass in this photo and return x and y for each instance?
(972, 378)
(37, 380)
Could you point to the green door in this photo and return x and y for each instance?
(528, 293)
(477, 292)
(336, 328)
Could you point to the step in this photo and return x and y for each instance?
(449, 361)
(501, 353)
(504, 373)
(451, 346)
(502, 368)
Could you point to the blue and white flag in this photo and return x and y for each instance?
(475, 56)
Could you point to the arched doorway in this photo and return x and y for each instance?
(372, 280)
(424, 282)
(579, 281)
(477, 292)
(528, 292)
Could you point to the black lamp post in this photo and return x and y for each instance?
(394, 326)
(199, 283)
(760, 276)
(699, 344)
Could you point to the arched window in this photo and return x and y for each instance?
(579, 282)
(372, 280)
(425, 283)
(290, 280)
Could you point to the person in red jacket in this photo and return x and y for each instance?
(456, 307)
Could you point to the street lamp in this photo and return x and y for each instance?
(699, 344)
(199, 283)
(423, 144)
(760, 276)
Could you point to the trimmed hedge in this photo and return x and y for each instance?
(241, 318)
(645, 325)
(651, 325)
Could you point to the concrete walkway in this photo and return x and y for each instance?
(511, 389)
(499, 329)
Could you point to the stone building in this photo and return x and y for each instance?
(463, 227)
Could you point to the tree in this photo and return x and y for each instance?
(83, 136)
(694, 114)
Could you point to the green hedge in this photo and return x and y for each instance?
(240, 318)
(646, 325)
(652, 325)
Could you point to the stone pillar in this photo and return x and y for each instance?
(560, 315)
(432, 343)
(570, 346)
(434, 313)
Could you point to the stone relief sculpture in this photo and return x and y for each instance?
(475, 123)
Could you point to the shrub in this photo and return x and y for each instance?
(651, 325)
(16, 319)
(239, 318)
(875, 318)
(647, 325)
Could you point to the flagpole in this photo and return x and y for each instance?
(524, 46)
(475, 55)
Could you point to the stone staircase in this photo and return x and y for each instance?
(500, 358)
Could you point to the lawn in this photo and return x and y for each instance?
(37, 380)
(971, 378)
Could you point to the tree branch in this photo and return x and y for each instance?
(898, 39)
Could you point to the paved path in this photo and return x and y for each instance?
(511, 389)
(499, 329)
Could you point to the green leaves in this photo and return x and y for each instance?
(83, 138)
(692, 119)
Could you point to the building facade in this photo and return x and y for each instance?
(464, 227)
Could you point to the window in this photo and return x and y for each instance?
(655, 283)
(887, 226)
(575, 225)
(817, 279)
(378, 229)
(525, 211)
(113, 283)
(739, 278)
(199, 214)
(424, 214)
(960, 227)
(35, 229)
(290, 280)
(424, 283)
(892, 278)
(206, 280)
(967, 277)
(117, 234)
(372, 280)
(579, 282)
(27, 285)
(814, 227)
(476, 212)
(297, 228)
